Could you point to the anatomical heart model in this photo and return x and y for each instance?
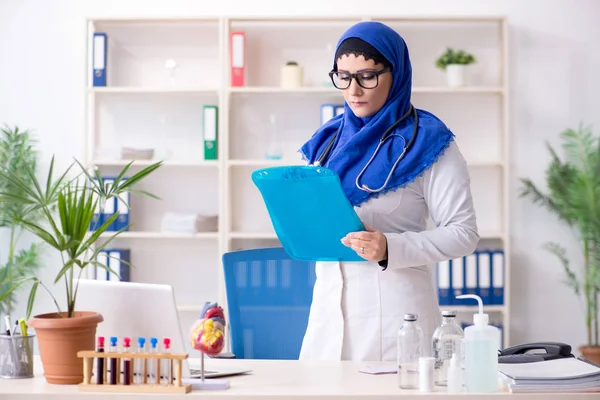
(207, 333)
(208, 336)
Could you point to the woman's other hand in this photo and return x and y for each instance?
(370, 245)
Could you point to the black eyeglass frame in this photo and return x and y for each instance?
(355, 76)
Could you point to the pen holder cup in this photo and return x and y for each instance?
(16, 356)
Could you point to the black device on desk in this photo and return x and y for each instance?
(534, 352)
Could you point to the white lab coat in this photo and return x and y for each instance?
(357, 308)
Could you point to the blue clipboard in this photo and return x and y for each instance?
(309, 212)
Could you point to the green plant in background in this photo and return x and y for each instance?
(68, 230)
(17, 154)
(574, 196)
(452, 56)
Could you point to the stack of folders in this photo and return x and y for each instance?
(117, 260)
(112, 205)
(567, 375)
(480, 273)
(329, 111)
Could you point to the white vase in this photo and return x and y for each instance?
(292, 77)
(455, 74)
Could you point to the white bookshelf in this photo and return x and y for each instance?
(142, 106)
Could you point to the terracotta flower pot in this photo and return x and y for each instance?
(60, 338)
(592, 353)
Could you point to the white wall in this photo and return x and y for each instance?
(553, 48)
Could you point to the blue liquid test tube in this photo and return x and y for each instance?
(153, 363)
(139, 363)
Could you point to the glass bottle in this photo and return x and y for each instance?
(446, 340)
(410, 340)
(274, 148)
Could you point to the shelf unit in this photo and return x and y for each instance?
(140, 98)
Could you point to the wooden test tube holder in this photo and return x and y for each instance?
(176, 386)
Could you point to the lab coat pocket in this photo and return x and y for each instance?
(387, 203)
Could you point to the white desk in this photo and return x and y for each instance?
(292, 380)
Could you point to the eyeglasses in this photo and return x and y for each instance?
(365, 79)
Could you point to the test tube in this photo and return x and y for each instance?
(138, 368)
(165, 364)
(126, 362)
(152, 363)
(114, 378)
(100, 362)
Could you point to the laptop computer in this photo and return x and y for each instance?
(141, 310)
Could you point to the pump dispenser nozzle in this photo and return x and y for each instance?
(480, 318)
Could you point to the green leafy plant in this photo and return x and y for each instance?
(574, 197)
(453, 56)
(17, 153)
(68, 229)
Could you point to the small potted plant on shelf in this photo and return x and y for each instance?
(454, 63)
(17, 152)
(574, 197)
(64, 332)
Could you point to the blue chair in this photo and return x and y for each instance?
(268, 299)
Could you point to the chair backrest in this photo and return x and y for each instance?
(268, 298)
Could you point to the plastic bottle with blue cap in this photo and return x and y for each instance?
(481, 352)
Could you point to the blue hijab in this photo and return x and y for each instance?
(358, 137)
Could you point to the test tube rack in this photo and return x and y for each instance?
(176, 386)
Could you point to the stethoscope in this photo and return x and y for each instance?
(387, 134)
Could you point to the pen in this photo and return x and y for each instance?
(7, 323)
(23, 326)
(13, 347)
(28, 352)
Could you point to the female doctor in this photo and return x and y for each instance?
(358, 308)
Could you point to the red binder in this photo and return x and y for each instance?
(238, 55)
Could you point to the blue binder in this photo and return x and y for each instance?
(309, 212)
(99, 59)
(497, 272)
(122, 205)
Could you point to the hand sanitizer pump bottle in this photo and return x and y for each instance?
(481, 352)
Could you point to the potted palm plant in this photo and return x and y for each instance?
(574, 197)
(64, 332)
(17, 152)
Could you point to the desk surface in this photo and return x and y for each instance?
(293, 380)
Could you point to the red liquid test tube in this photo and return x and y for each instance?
(126, 362)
